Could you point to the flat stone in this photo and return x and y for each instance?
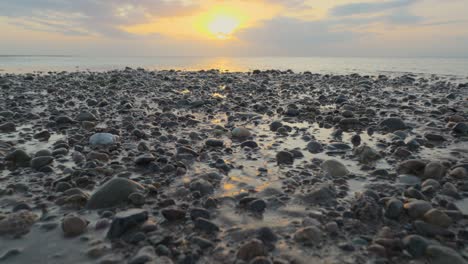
(417, 209)
(310, 235)
(39, 162)
(437, 217)
(102, 139)
(113, 193)
(392, 124)
(443, 255)
(251, 249)
(126, 220)
(334, 168)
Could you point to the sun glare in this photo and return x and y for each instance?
(222, 26)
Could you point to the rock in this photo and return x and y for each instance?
(206, 225)
(216, 143)
(18, 223)
(19, 158)
(275, 125)
(310, 236)
(434, 170)
(10, 254)
(257, 206)
(284, 157)
(42, 153)
(314, 147)
(173, 214)
(443, 255)
(240, 132)
(438, 218)
(199, 212)
(366, 154)
(430, 230)
(63, 120)
(146, 254)
(44, 135)
(460, 128)
(42, 161)
(412, 166)
(102, 139)
(416, 245)
(73, 225)
(126, 220)
(100, 156)
(137, 198)
(432, 183)
(113, 193)
(144, 159)
(393, 209)
(349, 123)
(320, 193)
(85, 116)
(250, 144)
(7, 127)
(202, 186)
(266, 235)
(356, 140)
(392, 124)
(416, 209)
(334, 168)
(251, 249)
(459, 173)
(408, 180)
(366, 207)
(78, 158)
(434, 137)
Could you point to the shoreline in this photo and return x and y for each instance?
(217, 167)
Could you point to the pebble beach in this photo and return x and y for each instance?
(266, 166)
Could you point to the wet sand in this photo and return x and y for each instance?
(137, 166)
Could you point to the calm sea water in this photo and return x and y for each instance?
(335, 65)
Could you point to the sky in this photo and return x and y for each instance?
(374, 28)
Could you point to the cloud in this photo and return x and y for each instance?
(369, 7)
(100, 17)
(289, 36)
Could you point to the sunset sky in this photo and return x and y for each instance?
(403, 28)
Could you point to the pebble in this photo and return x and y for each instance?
(18, 223)
(284, 157)
(126, 220)
(102, 139)
(310, 236)
(443, 255)
(392, 124)
(394, 208)
(437, 217)
(434, 170)
(416, 245)
(314, 147)
(41, 161)
(7, 127)
(250, 250)
(416, 209)
(74, 225)
(206, 225)
(240, 132)
(334, 168)
(112, 193)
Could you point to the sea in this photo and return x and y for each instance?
(456, 68)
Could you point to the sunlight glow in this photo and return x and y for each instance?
(222, 26)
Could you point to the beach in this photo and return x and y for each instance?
(259, 166)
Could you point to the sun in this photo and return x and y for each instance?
(223, 26)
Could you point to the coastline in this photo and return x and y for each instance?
(220, 166)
